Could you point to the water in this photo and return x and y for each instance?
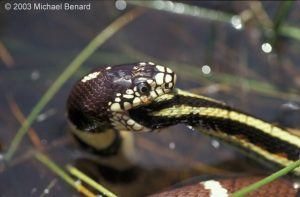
(204, 53)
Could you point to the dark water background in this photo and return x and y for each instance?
(42, 43)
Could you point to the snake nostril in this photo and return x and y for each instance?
(167, 85)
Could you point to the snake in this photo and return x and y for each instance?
(142, 97)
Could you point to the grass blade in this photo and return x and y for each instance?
(62, 174)
(74, 171)
(272, 177)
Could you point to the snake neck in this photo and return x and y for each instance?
(250, 134)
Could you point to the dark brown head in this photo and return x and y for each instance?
(116, 89)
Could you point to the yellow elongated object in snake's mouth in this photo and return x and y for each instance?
(141, 97)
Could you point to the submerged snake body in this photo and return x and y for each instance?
(224, 187)
(142, 97)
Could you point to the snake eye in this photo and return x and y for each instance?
(143, 88)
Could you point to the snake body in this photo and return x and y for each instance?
(224, 187)
(142, 97)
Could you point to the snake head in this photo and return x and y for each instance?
(139, 84)
(109, 92)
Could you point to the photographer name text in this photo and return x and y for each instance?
(47, 7)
